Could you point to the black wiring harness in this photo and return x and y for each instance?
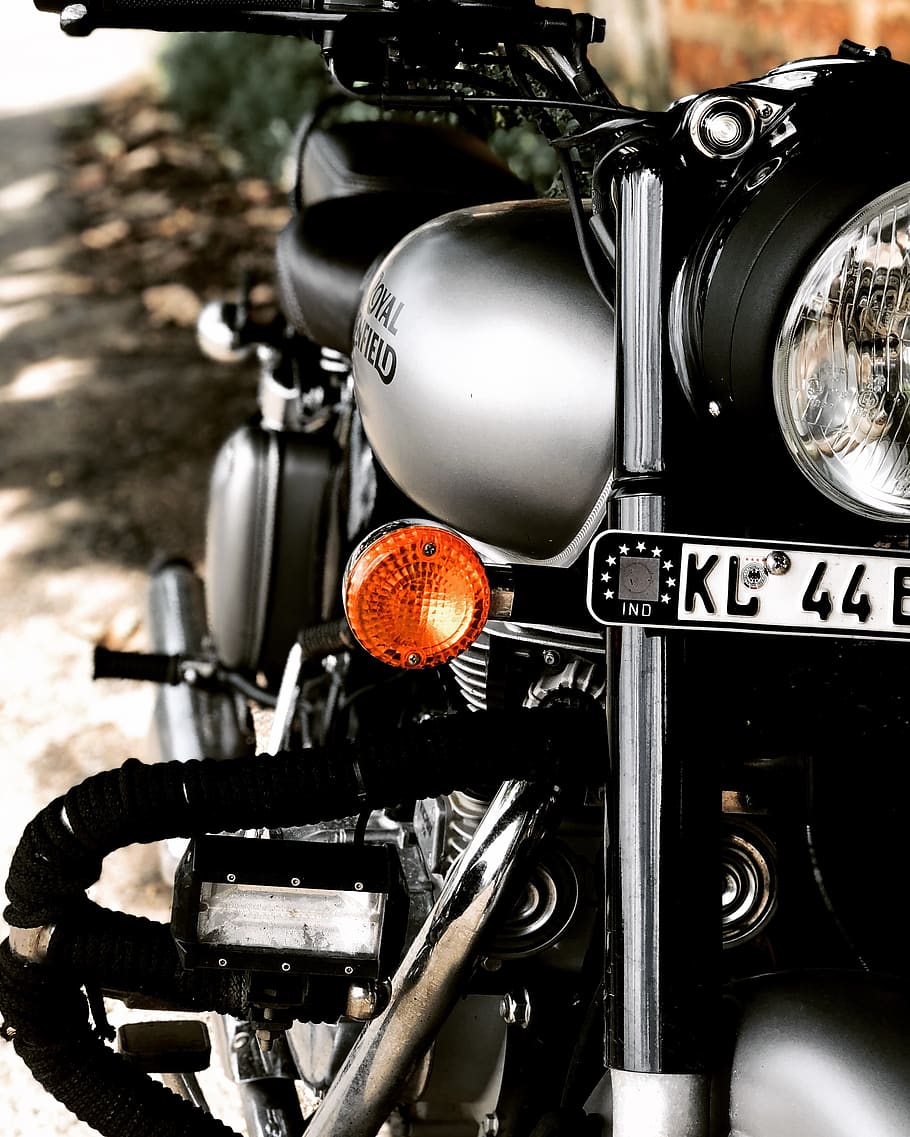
(45, 1005)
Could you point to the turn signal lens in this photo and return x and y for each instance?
(416, 595)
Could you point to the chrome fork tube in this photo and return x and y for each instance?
(657, 1088)
(429, 979)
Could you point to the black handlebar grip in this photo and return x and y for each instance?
(80, 17)
(304, 17)
(185, 7)
(149, 667)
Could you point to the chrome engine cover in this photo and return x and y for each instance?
(483, 367)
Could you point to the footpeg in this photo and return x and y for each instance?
(174, 1049)
(149, 667)
(166, 1046)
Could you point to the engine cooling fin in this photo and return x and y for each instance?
(471, 670)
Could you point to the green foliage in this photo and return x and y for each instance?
(527, 153)
(251, 91)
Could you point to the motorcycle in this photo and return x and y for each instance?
(568, 555)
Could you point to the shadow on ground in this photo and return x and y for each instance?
(114, 228)
(109, 416)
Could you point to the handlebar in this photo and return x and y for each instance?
(84, 16)
(506, 21)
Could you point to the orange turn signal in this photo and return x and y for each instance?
(416, 595)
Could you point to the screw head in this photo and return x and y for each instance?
(429, 549)
(295, 881)
(778, 563)
(285, 967)
(413, 659)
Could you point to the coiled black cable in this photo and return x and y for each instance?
(61, 852)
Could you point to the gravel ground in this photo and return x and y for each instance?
(108, 424)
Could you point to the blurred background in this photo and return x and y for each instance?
(662, 49)
(141, 174)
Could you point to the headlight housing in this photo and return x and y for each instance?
(841, 364)
(791, 319)
(789, 324)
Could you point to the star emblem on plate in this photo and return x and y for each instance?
(633, 578)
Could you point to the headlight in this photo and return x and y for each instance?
(841, 365)
(289, 907)
(789, 324)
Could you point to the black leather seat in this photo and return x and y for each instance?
(361, 187)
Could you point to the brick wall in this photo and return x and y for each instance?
(660, 49)
(718, 41)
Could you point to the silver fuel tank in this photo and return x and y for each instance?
(483, 364)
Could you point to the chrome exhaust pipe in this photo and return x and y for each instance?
(430, 977)
(188, 723)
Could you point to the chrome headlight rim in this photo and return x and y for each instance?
(840, 368)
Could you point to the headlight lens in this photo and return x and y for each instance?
(842, 363)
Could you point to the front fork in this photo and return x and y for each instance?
(660, 948)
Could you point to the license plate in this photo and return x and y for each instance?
(666, 580)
